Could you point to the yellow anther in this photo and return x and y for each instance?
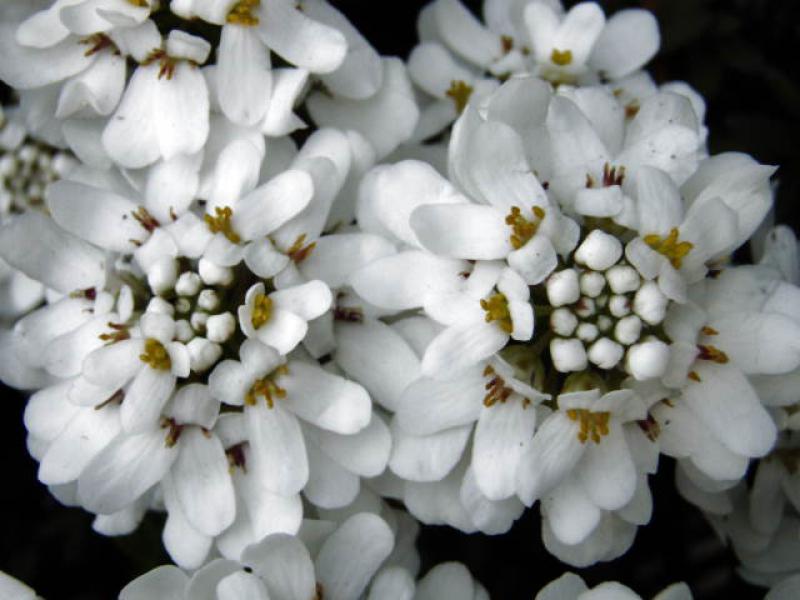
(221, 223)
(96, 43)
(297, 252)
(593, 425)
(262, 310)
(712, 353)
(120, 332)
(669, 246)
(706, 330)
(613, 175)
(242, 13)
(173, 433)
(562, 58)
(496, 308)
(459, 92)
(497, 391)
(166, 62)
(267, 388)
(522, 228)
(506, 43)
(146, 220)
(139, 3)
(694, 376)
(632, 109)
(156, 355)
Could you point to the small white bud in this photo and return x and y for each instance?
(182, 305)
(198, 320)
(162, 275)
(212, 274)
(628, 330)
(208, 300)
(188, 284)
(599, 250)
(563, 287)
(585, 308)
(650, 303)
(622, 279)
(220, 327)
(604, 323)
(587, 332)
(606, 353)
(592, 283)
(63, 164)
(203, 354)
(647, 360)
(159, 305)
(568, 355)
(183, 331)
(563, 321)
(619, 306)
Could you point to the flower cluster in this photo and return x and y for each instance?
(511, 285)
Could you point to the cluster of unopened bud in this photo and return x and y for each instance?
(604, 313)
(26, 171)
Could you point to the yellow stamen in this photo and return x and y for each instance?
(120, 332)
(174, 432)
(669, 246)
(712, 353)
(167, 63)
(459, 92)
(139, 3)
(506, 43)
(262, 310)
(496, 307)
(593, 425)
(706, 330)
(221, 223)
(267, 388)
(522, 228)
(694, 376)
(496, 390)
(156, 355)
(242, 13)
(297, 252)
(561, 57)
(146, 220)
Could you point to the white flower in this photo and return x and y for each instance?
(571, 587)
(274, 394)
(13, 588)
(340, 566)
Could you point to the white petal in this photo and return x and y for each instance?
(283, 331)
(535, 260)
(431, 405)
(59, 260)
(132, 134)
(202, 483)
(80, 441)
(433, 68)
(166, 583)
(392, 582)
(365, 453)
(124, 470)
(329, 484)
(244, 79)
(369, 117)
(287, 85)
(566, 587)
(182, 112)
(336, 256)
(241, 586)
(502, 433)
(186, 546)
(278, 451)
(465, 34)
(308, 301)
(269, 206)
(172, 186)
(552, 454)
(112, 366)
(447, 580)
(729, 407)
(490, 516)
(352, 554)
(95, 91)
(376, 356)
(326, 400)
(628, 41)
(427, 458)
(299, 39)
(607, 471)
(570, 513)
(463, 231)
(406, 279)
(144, 399)
(283, 562)
(459, 347)
(659, 204)
(46, 414)
(264, 260)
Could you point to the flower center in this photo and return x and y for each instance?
(262, 310)
(496, 308)
(173, 433)
(155, 355)
(267, 388)
(523, 229)
(297, 252)
(459, 92)
(592, 425)
(496, 390)
(712, 353)
(562, 58)
(669, 246)
(146, 220)
(242, 13)
(221, 223)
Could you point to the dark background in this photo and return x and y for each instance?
(741, 55)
